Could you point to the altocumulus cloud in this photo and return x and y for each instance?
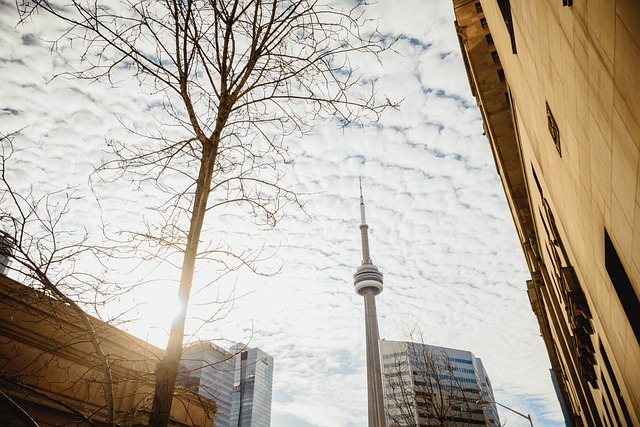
(440, 228)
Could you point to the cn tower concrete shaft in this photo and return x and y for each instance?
(368, 283)
(374, 368)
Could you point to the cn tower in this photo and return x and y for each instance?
(368, 283)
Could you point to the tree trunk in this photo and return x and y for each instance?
(167, 370)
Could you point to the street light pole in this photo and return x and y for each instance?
(484, 402)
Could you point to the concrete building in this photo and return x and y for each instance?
(430, 385)
(209, 370)
(368, 282)
(50, 374)
(252, 387)
(558, 87)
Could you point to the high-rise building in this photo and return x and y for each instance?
(6, 247)
(209, 370)
(368, 283)
(240, 381)
(558, 88)
(430, 385)
(252, 385)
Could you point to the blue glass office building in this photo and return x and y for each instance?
(252, 385)
(208, 369)
(429, 385)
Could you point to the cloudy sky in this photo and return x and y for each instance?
(440, 230)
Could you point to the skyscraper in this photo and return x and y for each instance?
(208, 369)
(6, 247)
(368, 283)
(558, 88)
(430, 385)
(253, 382)
(239, 381)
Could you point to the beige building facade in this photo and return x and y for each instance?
(558, 86)
(50, 374)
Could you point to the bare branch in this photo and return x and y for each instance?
(32, 236)
(238, 77)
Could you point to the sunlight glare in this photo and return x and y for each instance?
(159, 307)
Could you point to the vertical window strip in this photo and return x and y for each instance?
(622, 285)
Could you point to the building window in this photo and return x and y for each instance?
(607, 401)
(496, 58)
(535, 178)
(616, 386)
(505, 9)
(621, 283)
(489, 39)
(501, 74)
(483, 22)
(567, 2)
(553, 129)
(478, 7)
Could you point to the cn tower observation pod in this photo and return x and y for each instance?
(367, 277)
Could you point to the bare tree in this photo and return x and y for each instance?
(238, 77)
(424, 388)
(59, 364)
(43, 252)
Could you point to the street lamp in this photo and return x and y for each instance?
(484, 402)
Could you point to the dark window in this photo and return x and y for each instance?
(567, 2)
(607, 401)
(489, 39)
(614, 381)
(501, 74)
(626, 294)
(535, 178)
(483, 22)
(546, 228)
(478, 7)
(553, 129)
(496, 58)
(505, 9)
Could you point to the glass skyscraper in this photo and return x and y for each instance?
(239, 381)
(208, 369)
(252, 385)
(6, 247)
(429, 385)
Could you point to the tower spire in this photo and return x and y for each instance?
(368, 283)
(364, 231)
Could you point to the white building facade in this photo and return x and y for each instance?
(428, 385)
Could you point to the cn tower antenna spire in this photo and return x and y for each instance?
(364, 231)
(363, 220)
(368, 283)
